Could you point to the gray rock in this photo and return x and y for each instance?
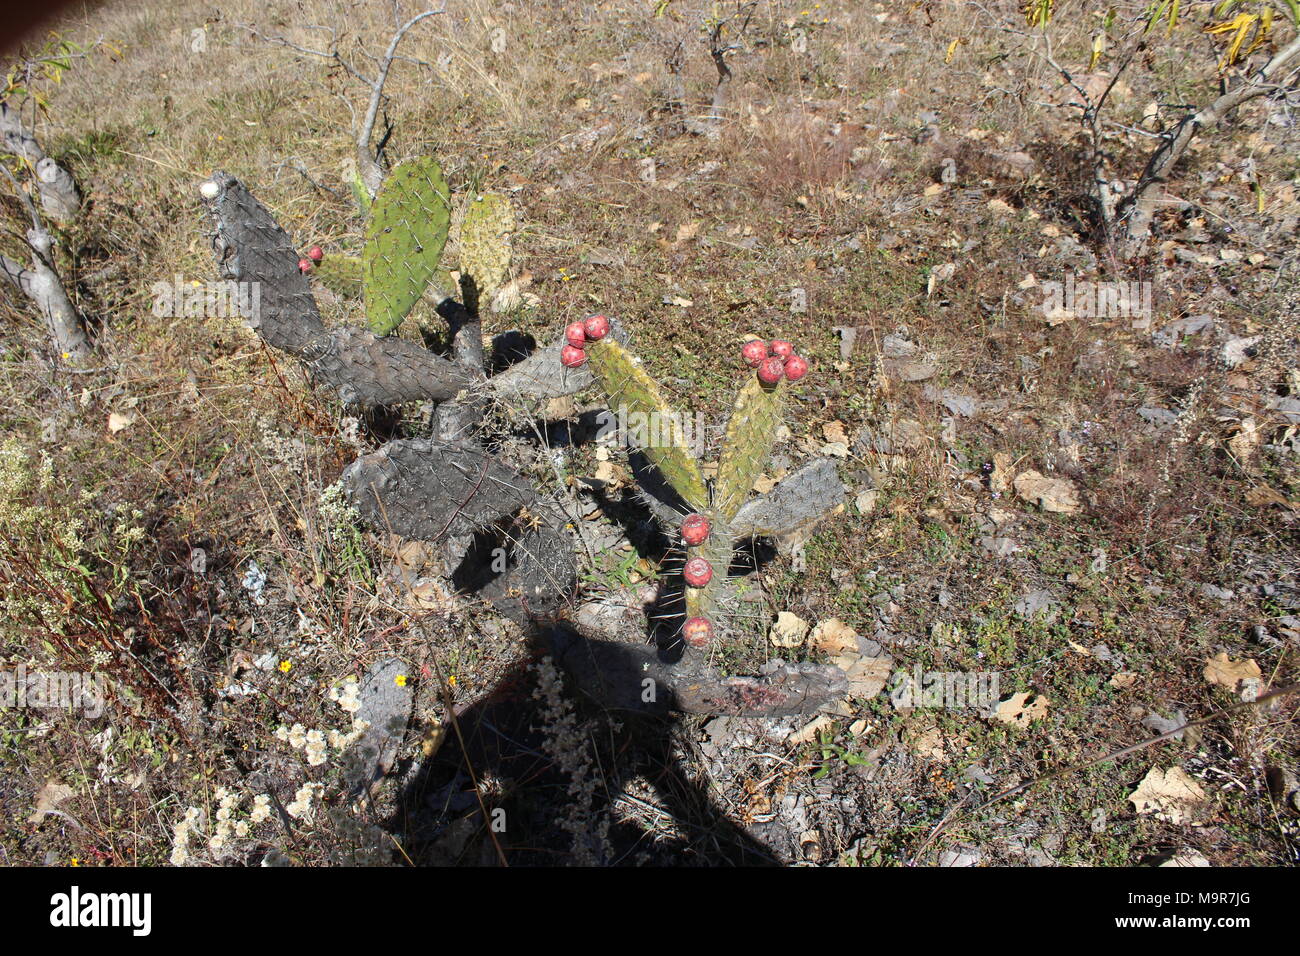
(602, 256)
(848, 339)
(1289, 408)
(1216, 593)
(1158, 416)
(955, 402)
(999, 547)
(1186, 857)
(897, 347)
(1172, 333)
(386, 707)
(961, 856)
(1163, 725)
(1035, 603)
(1104, 654)
(910, 371)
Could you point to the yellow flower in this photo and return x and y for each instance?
(74, 862)
(452, 680)
(285, 665)
(400, 680)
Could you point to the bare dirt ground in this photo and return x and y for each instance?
(1099, 510)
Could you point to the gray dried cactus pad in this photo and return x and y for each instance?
(250, 246)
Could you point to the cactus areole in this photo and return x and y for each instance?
(697, 632)
(695, 529)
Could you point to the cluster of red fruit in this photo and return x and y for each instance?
(314, 255)
(774, 360)
(577, 335)
(697, 572)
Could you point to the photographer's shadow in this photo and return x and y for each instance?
(525, 812)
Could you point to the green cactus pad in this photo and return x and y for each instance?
(626, 384)
(485, 248)
(751, 433)
(405, 236)
(340, 274)
(359, 192)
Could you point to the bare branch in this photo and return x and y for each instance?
(1137, 210)
(54, 184)
(367, 160)
(42, 285)
(367, 165)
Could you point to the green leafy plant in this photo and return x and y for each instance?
(832, 751)
(27, 77)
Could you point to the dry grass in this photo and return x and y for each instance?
(817, 179)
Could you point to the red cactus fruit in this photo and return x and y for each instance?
(572, 357)
(695, 528)
(782, 349)
(575, 334)
(697, 572)
(770, 372)
(754, 353)
(304, 265)
(697, 632)
(596, 327)
(315, 253)
(796, 367)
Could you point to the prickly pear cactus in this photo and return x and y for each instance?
(405, 236)
(626, 384)
(485, 248)
(359, 191)
(709, 533)
(340, 274)
(455, 487)
(751, 433)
